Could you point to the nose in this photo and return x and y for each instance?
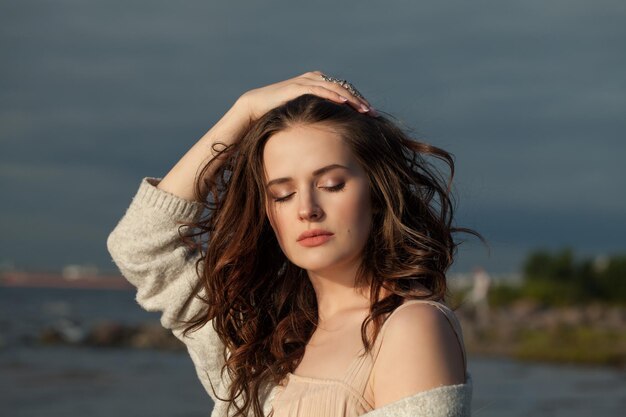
(309, 209)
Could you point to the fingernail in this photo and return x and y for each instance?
(364, 108)
(342, 98)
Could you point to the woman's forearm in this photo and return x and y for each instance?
(251, 106)
(181, 178)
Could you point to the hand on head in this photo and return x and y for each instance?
(260, 100)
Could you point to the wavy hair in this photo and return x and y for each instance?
(263, 306)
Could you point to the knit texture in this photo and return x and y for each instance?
(145, 245)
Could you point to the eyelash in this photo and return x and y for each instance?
(333, 189)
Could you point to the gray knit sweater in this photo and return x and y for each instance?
(145, 246)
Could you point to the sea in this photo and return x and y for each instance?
(71, 381)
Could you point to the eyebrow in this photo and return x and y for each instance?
(316, 173)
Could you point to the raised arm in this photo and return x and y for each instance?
(249, 107)
(146, 246)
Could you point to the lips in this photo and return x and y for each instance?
(313, 233)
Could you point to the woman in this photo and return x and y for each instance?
(326, 229)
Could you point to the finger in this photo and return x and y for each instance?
(316, 76)
(320, 91)
(359, 103)
(347, 90)
(345, 97)
(312, 75)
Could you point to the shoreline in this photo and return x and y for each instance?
(20, 279)
(593, 334)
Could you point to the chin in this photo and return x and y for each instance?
(313, 266)
(321, 262)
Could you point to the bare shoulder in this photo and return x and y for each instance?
(419, 351)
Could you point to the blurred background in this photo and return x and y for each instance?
(529, 96)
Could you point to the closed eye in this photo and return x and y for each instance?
(283, 199)
(333, 189)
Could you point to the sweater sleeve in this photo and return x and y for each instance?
(444, 401)
(146, 247)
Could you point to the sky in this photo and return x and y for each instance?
(529, 97)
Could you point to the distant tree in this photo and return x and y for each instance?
(544, 266)
(611, 280)
(558, 278)
(561, 279)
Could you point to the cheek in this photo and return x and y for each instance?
(356, 211)
(363, 214)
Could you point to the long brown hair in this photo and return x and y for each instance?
(262, 305)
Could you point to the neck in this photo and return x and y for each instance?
(336, 292)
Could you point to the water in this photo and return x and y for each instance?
(67, 382)
(25, 311)
(76, 381)
(510, 388)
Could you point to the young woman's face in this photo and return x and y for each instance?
(314, 184)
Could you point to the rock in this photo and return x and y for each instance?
(63, 331)
(71, 331)
(523, 309)
(573, 316)
(595, 313)
(154, 336)
(50, 336)
(616, 318)
(109, 334)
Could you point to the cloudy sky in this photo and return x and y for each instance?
(529, 96)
